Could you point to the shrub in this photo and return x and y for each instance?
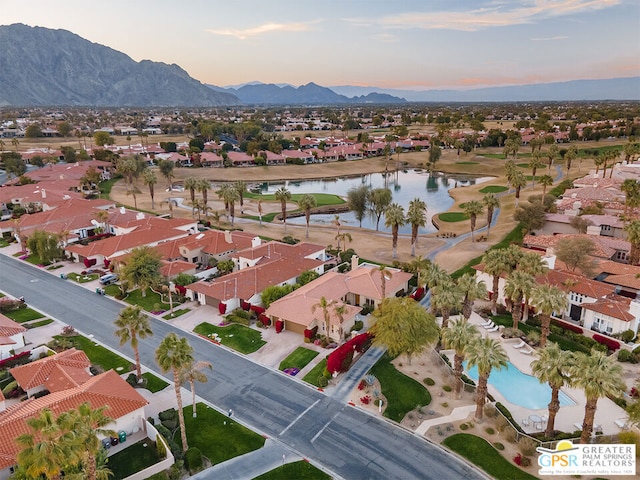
(160, 447)
(609, 342)
(534, 321)
(490, 430)
(498, 446)
(626, 356)
(322, 381)
(429, 381)
(169, 419)
(627, 336)
(464, 426)
(505, 411)
(527, 446)
(132, 379)
(630, 438)
(509, 434)
(511, 332)
(193, 459)
(446, 388)
(358, 325)
(11, 386)
(490, 410)
(501, 423)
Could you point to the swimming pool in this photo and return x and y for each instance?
(519, 388)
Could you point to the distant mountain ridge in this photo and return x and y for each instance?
(41, 67)
(624, 88)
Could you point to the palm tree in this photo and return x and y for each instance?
(535, 163)
(458, 337)
(552, 153)
(344, 237)
(306, 203)
(385, 274)
(203, 186)
(471, 291)
(518, 285)
(486, 354)
(547, 299)
(394, 219)
(497, 263)
(599, 376)
(47, 448)
(518, 182)
(545, 181)
(172, 354)
(633, 237)
(416, 216)
(534, 265)
(191, 373)
(230, 196)
(283, 196)
(260, 211)
(631, 189)
(241, 188)
(150, 179)
(191, 184)
(132, 325)
(446, 297)
(570, 156)
(551, 366)
(87, 424)
(417, 266)
(336, 222)
(166, 168)
(472, 209)
(325, 306)
(491, 202)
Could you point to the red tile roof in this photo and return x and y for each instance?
(8, 327)
(61, 371)
(615, 306)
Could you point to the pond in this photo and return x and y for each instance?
(432, 188)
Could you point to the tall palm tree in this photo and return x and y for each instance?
(89, 426)
(552, 154)
(498, 262)
(172, 353)
(133, 325)
(518, 182)
(472, 208)
(191, 184)
(191, 373)
(283, 196)
(337, 224)
(599, 376)
(150, 179)
(545, 181)
(547, 299)
(306, 203)
(417, 217)
(203, 186)
(385, 274)
(552, 366)
(518, 285)
(344, 237)
(241, 188)
(458, 337)
(417, 266)
(491, 202)
(534, 265)
(394, 219)
(633, 237)
(535, 163)
(471, 291)
(230, 197)
(570, 156)
(631, 189)
(260, 211)
(325, 305)
(487, 354)
(48, 448)
(166, 168)
(446, 297)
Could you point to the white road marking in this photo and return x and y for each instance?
(323, 428)
(299, 417)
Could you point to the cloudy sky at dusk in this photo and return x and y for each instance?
(392, 44)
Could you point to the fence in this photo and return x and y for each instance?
(161, 466)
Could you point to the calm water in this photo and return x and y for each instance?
(520, 388)
(407, 185)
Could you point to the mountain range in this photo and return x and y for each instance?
(47, 67)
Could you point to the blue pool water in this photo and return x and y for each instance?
(519, 388)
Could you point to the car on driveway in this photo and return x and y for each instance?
(108, 279)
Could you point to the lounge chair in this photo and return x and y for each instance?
(520, 345)
(490, 325)
(526, 351)
(488, 321)
(495, 328)
(525, 422)
(621, 423)
(578, 426)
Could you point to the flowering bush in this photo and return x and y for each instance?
(362, 385)
(609, 342)
(366, 399)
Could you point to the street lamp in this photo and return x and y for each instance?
(172, 288)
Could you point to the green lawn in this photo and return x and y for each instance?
(106, 186)
(467, 163)
(322, 199)
(3, 243)
(82, 278)
(403, 393)
(99, 355)
(453, 216)
(133, 459)
(39, 323)
(479, 452)
(315, 373)
(24, 314)
(299, 358)
(151, 303)
(176, 313)
(222, 438)
(35, 260)
(493, 189)
(240, 338)
(296, 470)
(154, 384)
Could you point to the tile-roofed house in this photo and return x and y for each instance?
(11, 336)
(305, 156)
(240, 159)
(61, 371)
(605, 247)
(170, 270)
(611, 315)
(210, 159)
(123, 403)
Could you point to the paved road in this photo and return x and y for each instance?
(346, 441)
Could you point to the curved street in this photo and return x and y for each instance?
(346, 441)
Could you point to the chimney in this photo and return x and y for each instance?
(44, 193)
(256, 242)
(227, 236)
(550, 258)
(139, 216)
(122, 211)
(354, 262)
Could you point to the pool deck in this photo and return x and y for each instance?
(606, 414)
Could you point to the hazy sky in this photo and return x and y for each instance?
(384, 43)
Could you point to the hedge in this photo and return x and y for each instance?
(567, 326)
(609, 342)
(341, 358)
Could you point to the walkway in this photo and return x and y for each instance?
(252, 464)
(459, 413)
(352, 377)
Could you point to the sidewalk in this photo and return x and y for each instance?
(352, 377)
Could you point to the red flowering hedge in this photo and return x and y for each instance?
(279, 326)
(418, 294)
(245, 305)
(15, 357)
(181, 290)
(341, 358)
(257, 309)
(90, 262)
(567, 326)
(609, 342)
(222, 308)
(266, 321)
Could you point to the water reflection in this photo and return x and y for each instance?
(405, 186)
